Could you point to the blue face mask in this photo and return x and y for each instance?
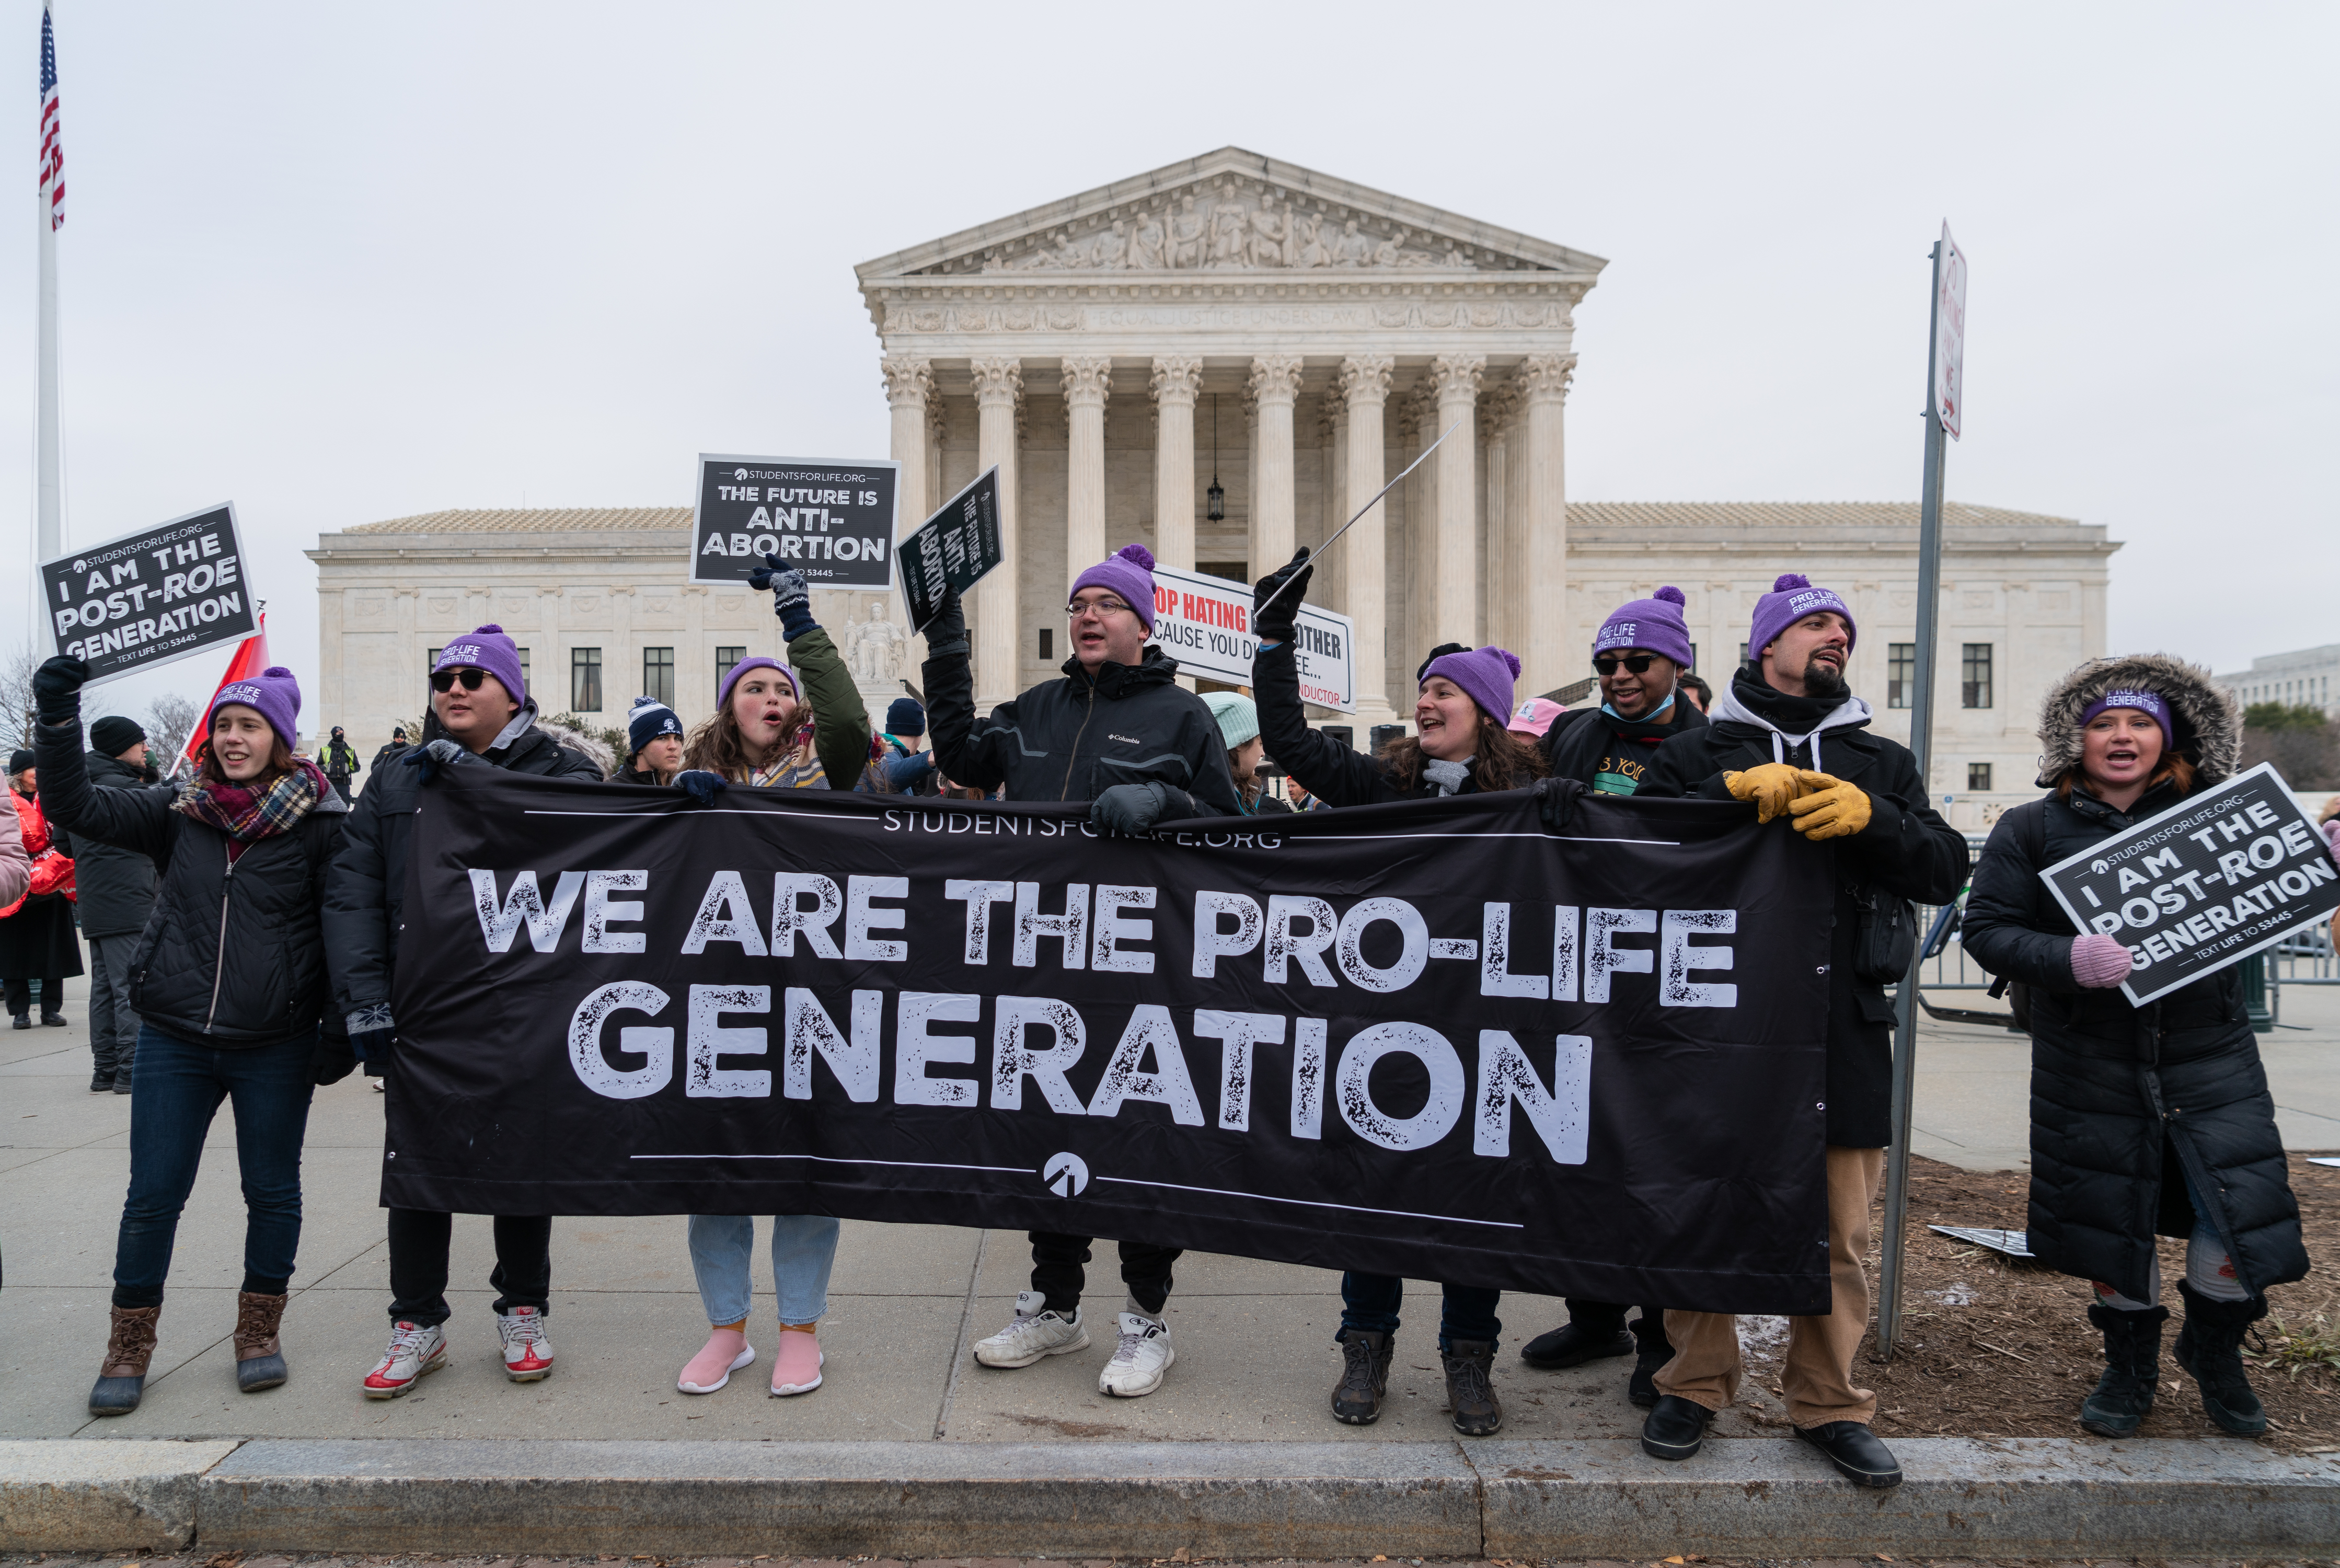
(1660, 711)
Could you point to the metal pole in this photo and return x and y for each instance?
(1921, 747)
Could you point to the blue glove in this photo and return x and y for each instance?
(371, 1031)
(791, 597)
(700, 785)
(429, 758)
(1130, 809)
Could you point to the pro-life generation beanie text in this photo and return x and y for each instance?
(1792, 597)
(1487, 674)
(273, 694)
(1654, 625)
(490, 649)
(1128, 572)
(2148, 703)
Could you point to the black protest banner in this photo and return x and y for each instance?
(833, 522)
(149, 597)
(956, 547)
(2214, 879)
(1426, 1038)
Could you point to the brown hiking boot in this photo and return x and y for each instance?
(122, 1378)
(1470, 1394)
(259, 1359)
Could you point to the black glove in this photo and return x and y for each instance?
(1556, 801)
(791, 597)
(56, 689)
(701, 785)
(1277, 622)
(1130, 809)
(1437, 654)
(332, 1060)
(427, 758)
(947, 633)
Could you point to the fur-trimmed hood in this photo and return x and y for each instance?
(2208, 724)
(603, 755)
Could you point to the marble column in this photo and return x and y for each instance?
(1274, 384)
(994, 614)
(1543, 532)
(1456, 594)
(909, 388)
(1330, 586)
(1506, 588)
(1364, 389)
(1086, 383)
(1177, 379)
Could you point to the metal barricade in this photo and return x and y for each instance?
(2301, 958)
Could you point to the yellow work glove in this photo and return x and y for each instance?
(1771, 787)
(1829, 807)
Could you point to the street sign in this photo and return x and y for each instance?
(833, 522)
(152, 597)
(956, 547)
(1950, 335)
(1205, 623)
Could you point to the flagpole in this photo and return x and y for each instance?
(49, 508)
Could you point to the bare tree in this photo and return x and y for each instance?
(169, 719)
(16, 697)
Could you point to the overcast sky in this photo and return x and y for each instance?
(347, 262)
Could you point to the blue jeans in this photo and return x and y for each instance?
(1369, 1303)
(180, 1088)
(722, 1255)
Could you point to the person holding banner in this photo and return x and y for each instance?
(1640, 656)
(231, 987)
(754, 740)
(1118, 730)
(1789, 737)
(2144, 1121)
(480, 715)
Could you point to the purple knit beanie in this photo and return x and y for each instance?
(1792, 597)
(2148, 703)
(1654, 624)
(490, 649)
(723, 697)
(1128, 572)
(1486, 674)
(273, 694)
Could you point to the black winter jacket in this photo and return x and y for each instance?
(1906, 852)
(1335, 774)
(1580, 738)
(234, 954)
(1074, 738)
(365, 895)
(2114, 1088)
(114, 887)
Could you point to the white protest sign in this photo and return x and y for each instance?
(1950, 335)
(1205, 623)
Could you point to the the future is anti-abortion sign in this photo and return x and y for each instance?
(2214, 879)
(831, 520)
(1429, 1039)
(149, 597)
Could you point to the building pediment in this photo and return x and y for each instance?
(1230, 212)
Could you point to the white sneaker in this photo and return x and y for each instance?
(415, 1349)
(1037, 1332)
(528, 1354)
(1140, 1359)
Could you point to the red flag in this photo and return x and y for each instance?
(250, 659)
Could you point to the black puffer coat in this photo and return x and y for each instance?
(1074, 738)
(1335, 774)
(367, 889)
(113, 886)
(2118, 1091)
(234, 954)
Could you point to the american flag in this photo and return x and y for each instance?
(52, 149)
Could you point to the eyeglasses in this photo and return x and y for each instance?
(1101, 606)
(1639, 663)
(444, 679)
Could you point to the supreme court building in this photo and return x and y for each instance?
(1288, 341)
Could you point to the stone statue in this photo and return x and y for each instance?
(1186, 227)
(874, 647)
(1352, 249)
(1111, 250)
(1228, 222)
(1146, 252)
(1309, 235)
(1271, 236)
(1391, 252)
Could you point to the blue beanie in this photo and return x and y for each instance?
(649, 719)
(904, 716)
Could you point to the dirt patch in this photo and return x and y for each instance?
(1995, 1349)
(1078, 1428)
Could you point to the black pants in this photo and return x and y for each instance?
(418, 1264)
(53, 995)
(1056, 1273)
(1609, 1317)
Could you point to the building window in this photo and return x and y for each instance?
(725, 658)
(430, 660)
(585, 680)
(1047, 645)
(1693, 657)
(1974, 675)
(523, 666)
(657, 674)
(1900, 674)
(1742, 653)
(1978, 778)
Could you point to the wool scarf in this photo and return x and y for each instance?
(247, 814)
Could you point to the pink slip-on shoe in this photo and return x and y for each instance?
(796, 1362)
(727, 1352)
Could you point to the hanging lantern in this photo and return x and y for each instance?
(1216, 498)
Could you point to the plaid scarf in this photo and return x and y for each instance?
(250, 815)
(782, 772)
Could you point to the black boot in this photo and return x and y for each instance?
(1594, 1329)
(2210, 1346)
(1469, 1365)
(1676, 1427)
(1653, 1351)
(1364, 1375)
(2123, 1394)
(23, 1020)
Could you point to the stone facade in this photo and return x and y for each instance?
(2307, 677)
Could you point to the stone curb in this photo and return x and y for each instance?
(1599, 1498)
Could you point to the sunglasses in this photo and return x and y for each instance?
(444, 679)
(1638, 663)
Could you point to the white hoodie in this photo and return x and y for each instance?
(1849, 714)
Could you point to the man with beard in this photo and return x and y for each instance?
(1789, 737)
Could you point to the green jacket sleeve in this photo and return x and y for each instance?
(840, 719)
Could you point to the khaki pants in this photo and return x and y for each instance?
(1819, 1380)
